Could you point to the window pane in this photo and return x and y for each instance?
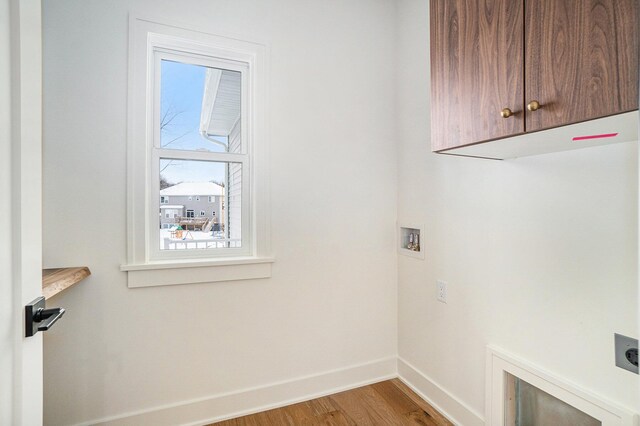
(205, 208)
(199, 108)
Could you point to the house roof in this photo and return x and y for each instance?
(221, 102)
(193, 188)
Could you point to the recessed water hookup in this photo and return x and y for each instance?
(411, 242)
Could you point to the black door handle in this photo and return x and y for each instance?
(47, 317)
(37, 318)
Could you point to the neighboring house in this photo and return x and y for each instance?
(191, 200)
(170, 213)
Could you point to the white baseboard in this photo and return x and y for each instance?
(248, 401)
(439, 398)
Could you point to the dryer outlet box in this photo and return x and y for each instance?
(626, 352)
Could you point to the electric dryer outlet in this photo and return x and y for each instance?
(626, 352)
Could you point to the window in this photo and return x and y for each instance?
(200, 115)
(166, 215)
(213, 214)
(196, 126)
(199, 144)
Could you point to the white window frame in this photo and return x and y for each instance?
(212, 198)
(147, 265)
(191, 53)
(164, 199)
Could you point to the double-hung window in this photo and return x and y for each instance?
(195, 127)
(199, 105)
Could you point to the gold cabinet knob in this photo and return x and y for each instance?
(506, 113)
(534, 106)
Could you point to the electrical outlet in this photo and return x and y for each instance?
(441, 289)
(626, 352)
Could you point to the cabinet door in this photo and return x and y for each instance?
(582, 60)
(476, 71)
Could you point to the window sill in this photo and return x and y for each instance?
(197, 271)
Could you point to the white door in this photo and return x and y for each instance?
(20, 209)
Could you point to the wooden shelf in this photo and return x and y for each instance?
(56, 280)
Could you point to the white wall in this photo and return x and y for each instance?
(7, 326)
(540, 253)
(331, 301)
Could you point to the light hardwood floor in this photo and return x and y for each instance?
(385, 403)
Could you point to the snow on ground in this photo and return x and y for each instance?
(190, 240)
(190, 235)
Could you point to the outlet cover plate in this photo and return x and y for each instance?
(623, 344)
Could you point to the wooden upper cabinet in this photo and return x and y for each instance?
(476, 70)
(582, 60)
(577, 58)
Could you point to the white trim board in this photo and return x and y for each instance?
(242, 402)
(438, 397)
(499, 362)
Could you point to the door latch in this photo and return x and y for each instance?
(37, 318)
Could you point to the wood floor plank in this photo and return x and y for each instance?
(297, 414)
(334, 418)
(365, 407)
(439, 418)
(402, 405)
(385, 403)
(421, 417)
(278, 417)
(273, 417)
(398, 401)
(322, 405)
